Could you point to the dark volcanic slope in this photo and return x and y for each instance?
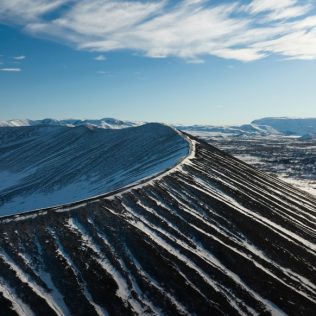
(211, 237)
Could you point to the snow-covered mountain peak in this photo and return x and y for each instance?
(107, 123)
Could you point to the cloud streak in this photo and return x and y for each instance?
(280, 9)
(22, 11)
(19, 57)
(188, 29)
(10, 69)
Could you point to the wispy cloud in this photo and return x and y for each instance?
(10, 69)
(100, 58)
(19, 57)
(188, 29)
(21, 11)
(280, 9)
(195, 61)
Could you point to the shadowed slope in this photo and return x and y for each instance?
(212, 236)
(45, 166)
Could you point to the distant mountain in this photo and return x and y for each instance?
(265, 126)
(291, 126)
(42, 166)
(260, 127)
(237, 130)
(108, 123)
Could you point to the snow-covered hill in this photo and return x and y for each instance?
(292, 126)
(261, 127)
(212, 236)
(42, 166)
(233, 130)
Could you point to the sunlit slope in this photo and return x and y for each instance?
(42, 166)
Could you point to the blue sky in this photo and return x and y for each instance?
(192, 61)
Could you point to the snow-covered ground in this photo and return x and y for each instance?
(290, 158)
(48, 162)
(44, 166)
(305, 185)
(210, 236)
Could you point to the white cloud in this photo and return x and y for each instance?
(189, 29)
(19, 57)
(273, 10)
(101, 17)
(20, 11)
(10, 69)
(297, 45)
(257, 6)
(100, 58)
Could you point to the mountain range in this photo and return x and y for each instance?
(107, 123)
(264, 126)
